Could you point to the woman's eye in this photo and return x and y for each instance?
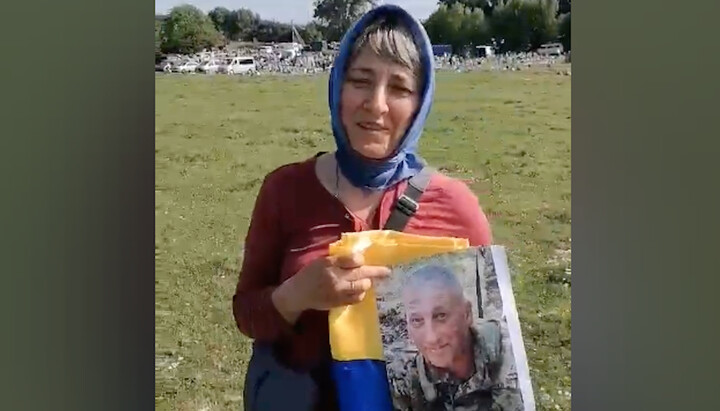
(402, 90)
(359, 81)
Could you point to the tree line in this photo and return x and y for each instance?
(510, 25)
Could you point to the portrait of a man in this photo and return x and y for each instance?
(457, 359)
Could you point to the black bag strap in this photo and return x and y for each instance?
(407, 205)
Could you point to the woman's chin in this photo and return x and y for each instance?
(373, 153)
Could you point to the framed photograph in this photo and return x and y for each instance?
(451, 334)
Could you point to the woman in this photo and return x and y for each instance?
(380, 93)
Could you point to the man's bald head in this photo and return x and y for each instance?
(433, 276)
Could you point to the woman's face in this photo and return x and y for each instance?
(377, 104)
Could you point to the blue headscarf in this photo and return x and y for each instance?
(405, 162)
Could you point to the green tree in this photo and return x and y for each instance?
(158, 36)
(564, 31)
(474, 31)
(542, 21)
(272, 31)
(220, 17)
(242, 24)
(487, 6)
(311, 32)
(458, 26)
(523, 25)
(563, 7)
(189, 30)
(338, 15)
(443, 26)
(478, 4)
(450, 3)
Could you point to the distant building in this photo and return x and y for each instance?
(441, 50)
(484, 51)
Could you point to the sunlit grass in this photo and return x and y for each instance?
(506, 133)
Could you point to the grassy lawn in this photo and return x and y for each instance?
(506, 133)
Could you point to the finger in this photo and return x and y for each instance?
(367, 271)
(353, 298)
(356, 286)
(349, 261)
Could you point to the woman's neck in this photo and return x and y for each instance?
(361, 203)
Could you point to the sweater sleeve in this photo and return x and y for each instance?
(471, 215)
(255, 314)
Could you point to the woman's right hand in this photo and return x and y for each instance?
(326, 283)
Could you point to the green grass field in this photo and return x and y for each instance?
(506, 133)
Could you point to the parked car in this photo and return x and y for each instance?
(550, 49)
(211, 66)
(165, 66)
(188, 66)
(238, 65)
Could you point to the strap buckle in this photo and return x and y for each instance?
(407, 205)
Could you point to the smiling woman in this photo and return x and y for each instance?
(380, 93)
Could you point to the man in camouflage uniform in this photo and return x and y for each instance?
(457, 365)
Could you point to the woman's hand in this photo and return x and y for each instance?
(326, 283)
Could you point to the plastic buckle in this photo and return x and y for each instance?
(407, 205)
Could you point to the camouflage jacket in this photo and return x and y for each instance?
(417, 387)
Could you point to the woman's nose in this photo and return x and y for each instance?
(376, 101)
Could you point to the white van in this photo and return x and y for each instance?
(238, 65)
(550, 49)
